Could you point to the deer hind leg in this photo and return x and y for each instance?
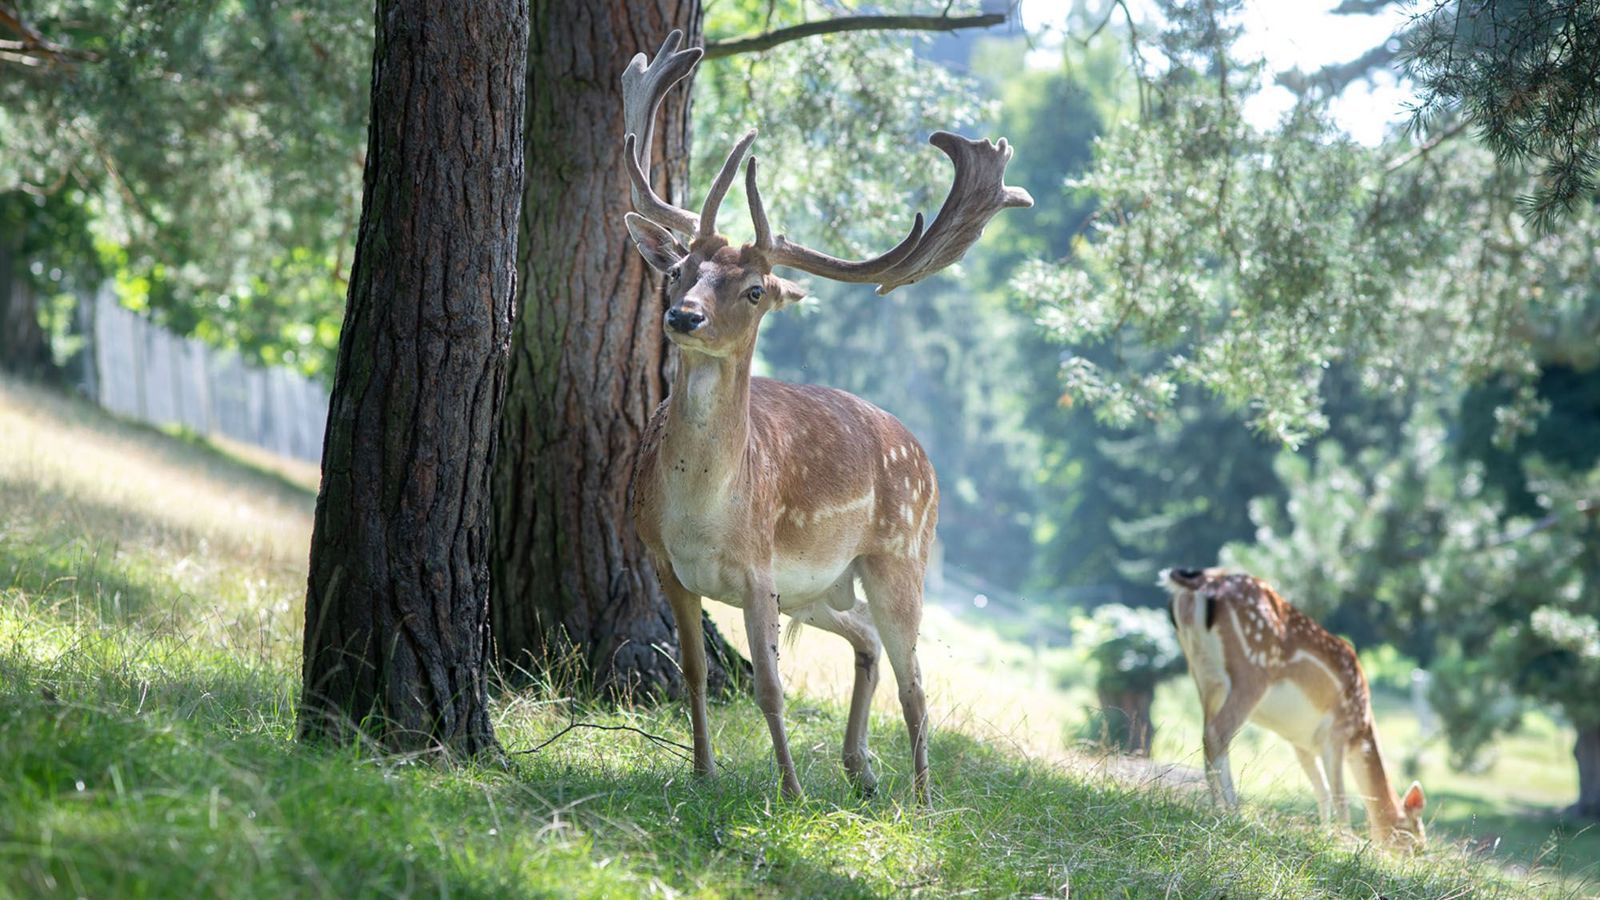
(761, 630)
(692, 650)
(1221, 726)
(856, 626)
(1333, 764)
(1319, 782)
(894, 598)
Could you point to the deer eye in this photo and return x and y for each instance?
(674, 273)
(754, 294)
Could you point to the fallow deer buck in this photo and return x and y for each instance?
(1254, 657)
(776, 497)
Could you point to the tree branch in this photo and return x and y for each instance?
(1361, 7)
(1333, 78)
(1424, 149)
(670, 745)
(767, 40)
(34, 44)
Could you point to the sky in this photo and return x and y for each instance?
(1289, 33)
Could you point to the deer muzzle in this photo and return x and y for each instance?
(684, 320)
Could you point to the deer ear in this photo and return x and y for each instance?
(788, 292)
(656, 244)
(1414, 800)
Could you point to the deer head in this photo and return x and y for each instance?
(718, 292)
(1409, 833)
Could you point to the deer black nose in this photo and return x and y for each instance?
(684, 321)
(1186, 574)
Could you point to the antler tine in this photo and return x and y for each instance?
(758, 212)
(719, 187)
(977, 193)
(644, 83)
(783, 252)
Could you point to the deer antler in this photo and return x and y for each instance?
(978, 192)
(643, 85)
(781, 251)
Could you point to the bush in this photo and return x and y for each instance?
(1132, 651)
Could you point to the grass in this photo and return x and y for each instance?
(149, 642)
(1509, 810)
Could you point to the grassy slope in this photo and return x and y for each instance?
(149, 618)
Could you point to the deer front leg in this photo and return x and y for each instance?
(1221, 726)
(686, 611)
(761, 630)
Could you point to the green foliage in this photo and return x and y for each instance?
(216, 149)
(1248, 262)
(1567, 434)
(1535, 633)
(844, 121)
(1413, 548)
(1526, 74)
(1365, 542)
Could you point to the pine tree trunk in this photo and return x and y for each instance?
(1587, 752)
(397, 636)
(23, 349)
(574, 595)
(1127, 714)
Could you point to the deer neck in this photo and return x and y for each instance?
(708, 417)
(1383, 804)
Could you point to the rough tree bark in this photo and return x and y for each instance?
(573, 589)
(397, 637)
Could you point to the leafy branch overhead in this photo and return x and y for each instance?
(1249, 260)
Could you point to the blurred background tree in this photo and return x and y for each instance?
(208, 156)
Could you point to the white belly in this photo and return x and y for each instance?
(799, 581)
(706, 574)
(1286, 710)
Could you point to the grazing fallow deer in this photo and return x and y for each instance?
(1254, 657)
(776, 497)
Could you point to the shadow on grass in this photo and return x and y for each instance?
(73, 573)
(159, 770)
(1001, 826)
(84, 558)
(1519, 836)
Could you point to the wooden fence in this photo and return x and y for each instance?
(144, 372)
